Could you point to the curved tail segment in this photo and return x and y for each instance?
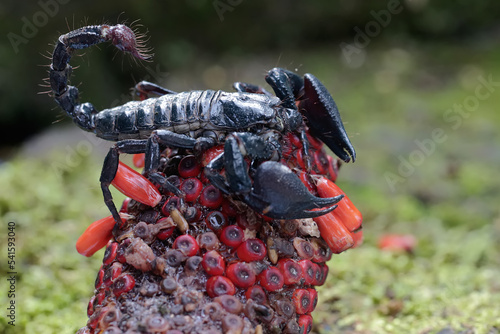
(67, 96)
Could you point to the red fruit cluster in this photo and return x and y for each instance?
(205, 262)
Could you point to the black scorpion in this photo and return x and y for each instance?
(250, 122)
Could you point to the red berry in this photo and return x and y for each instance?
(220, 285)
(165, 233)
(192, 188)
(308, 271)
(397, 242)
(324, 274)
(257, 294)
(313, 295)
(305, 323)
(99, 278)
(211, 197)
(271, 279)
(232, 235)
(123, 284)
(322, 253)
(241, 274)
(120, 252)
(112, 273)
(110, 253)
(186, 244)
(134, 185)
(90, 307)
(213, 263)
(251, 250)
(302, 300)
(216, 221)
(291, 270)
(172, 203)
(189, 167)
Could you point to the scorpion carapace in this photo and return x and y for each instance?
(250, 123)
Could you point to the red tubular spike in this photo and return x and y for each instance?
(334, 233)
(96, 236)
(134, 185)
(138, 160)
(213, 263)
(346, 212)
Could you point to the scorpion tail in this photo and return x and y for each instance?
(67, 96)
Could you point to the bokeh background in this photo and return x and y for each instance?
(418, 86)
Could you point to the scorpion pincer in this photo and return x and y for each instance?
(250, 123)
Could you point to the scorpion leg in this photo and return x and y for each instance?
(145, 88)
(288, 87)
(110, 168)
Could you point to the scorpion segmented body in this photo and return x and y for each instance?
(186, 113)
(250, 123)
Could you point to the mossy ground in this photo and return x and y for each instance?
(449, 202)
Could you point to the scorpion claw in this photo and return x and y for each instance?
(278, 193)
(324, 119)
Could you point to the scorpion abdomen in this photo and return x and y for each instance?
(184, 113)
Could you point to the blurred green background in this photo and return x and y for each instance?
(418, 86)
